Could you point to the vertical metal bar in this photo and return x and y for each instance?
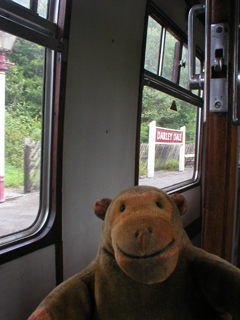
(236, 80)
(27, 183)
(160, 50)
(34, 5)
(191, 44)
(207, 56)
(162, 46)
(176, 60)
(193, 79)
(52, 9)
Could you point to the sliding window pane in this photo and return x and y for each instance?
(184, 70)
(152, 46)
(24, 3)
(168, 59)
(22, 138)
(42, 8)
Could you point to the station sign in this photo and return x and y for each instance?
(169, 136)
(158, 135)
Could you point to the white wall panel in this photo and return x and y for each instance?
(25, 282)
(100, 117)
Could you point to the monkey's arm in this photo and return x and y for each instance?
(219, 282)
(70, 300)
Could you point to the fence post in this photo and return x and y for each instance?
(182, 151)
(27, 183)
(151, 149)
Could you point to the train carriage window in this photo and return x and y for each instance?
(170, 113)
(29, 49)
(168, 60)
(184, 70)
(183, 82)
(153, 43)
(24, 79)
(24, 3)
(171, 145)
(39, 6)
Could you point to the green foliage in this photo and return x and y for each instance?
(14, 177)
(23, 101)
(16, 129)
(168, 56)
(156, 106)
(160, 164)
(24, 81)
(143, 167)
(24, 95)
(152, 45)
(172, 164)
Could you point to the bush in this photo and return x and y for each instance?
(172, 164)
(160, 164)
(16, 129)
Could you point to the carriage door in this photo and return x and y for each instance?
(220, 160)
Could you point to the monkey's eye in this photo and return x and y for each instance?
(159, 205)
(122, 208)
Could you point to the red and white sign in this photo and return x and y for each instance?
(168, 136)
(164, 136)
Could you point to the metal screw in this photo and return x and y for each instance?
(217, 105)
(219, 29)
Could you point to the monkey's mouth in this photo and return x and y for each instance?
(130, 256)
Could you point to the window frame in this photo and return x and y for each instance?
(26, 24)
(156, 81)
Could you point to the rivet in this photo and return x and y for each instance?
(217, 105)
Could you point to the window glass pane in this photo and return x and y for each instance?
(42, 8)
(23, 129)
(152, 46)
(24, 3)
(173, 161)
(198, 65)
(198, 92)
(168, 59)
(184, 70)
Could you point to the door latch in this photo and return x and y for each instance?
(219, 67)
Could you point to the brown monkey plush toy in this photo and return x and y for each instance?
(146, 268)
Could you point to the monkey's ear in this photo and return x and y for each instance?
(180, 202)
(101, 206)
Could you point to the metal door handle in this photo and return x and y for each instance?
(195, 81)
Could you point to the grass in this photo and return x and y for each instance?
(142, 167)
(14, 177)
(160, 164)
(172, 164)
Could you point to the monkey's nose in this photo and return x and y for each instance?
(138, 233)
(143, 237)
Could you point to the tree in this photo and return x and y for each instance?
(24, 96)
(24, 81)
